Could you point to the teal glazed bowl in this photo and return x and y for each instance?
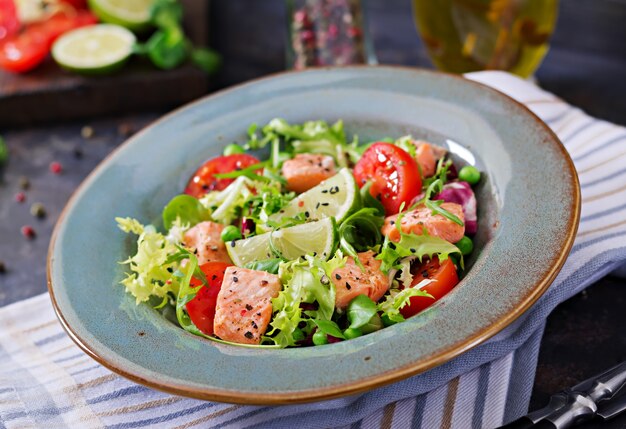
(526, 229)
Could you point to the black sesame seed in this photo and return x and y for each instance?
(232, 243)
(248, 307)
(325, 191)
(235, 279)
(348, 286)
(337, 276)
(325, 204)
(249, 335)
(412, 250)
(306, 214)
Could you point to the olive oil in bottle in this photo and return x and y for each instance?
(470, 35)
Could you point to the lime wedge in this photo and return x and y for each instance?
(97, 49)
(132, 14)
(314, 238)
(335, 197)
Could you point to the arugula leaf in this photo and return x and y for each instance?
(268, 265)
(329, 328)
(360, 311)
(186, 208)
(435, 206)
(248, 172)
(399, 298)
(406, 143)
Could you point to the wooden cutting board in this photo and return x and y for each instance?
(49, 94)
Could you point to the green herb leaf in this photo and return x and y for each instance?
(186, 208)
(268, 265)
(435, 208)
(329, 328)
(360, 311)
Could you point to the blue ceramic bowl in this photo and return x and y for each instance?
(526, 229)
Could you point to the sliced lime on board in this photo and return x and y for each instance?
(97, 49)
(314, 238)
(132, 14)
(337, 197)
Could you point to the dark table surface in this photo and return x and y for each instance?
(586, 66)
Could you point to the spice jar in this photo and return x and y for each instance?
(327, 32)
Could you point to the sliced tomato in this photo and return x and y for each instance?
(201, 308)
(394, 175)
(9, 22)
(444, 278)
(204, 179)
(27, 49)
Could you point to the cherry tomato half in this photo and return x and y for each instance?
(204, 179)
(28, 48)
(9, 22)
(394, 175)
(201, 308)
(445, 278)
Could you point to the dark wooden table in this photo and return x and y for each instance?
(586, 66)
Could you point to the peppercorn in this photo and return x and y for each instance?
(24, 183)
(28, 232)
(38, 210)
(56, 167)
(86, 132)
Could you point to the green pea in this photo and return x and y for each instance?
(298, 335)
(233, 149)
(230, 233)
(320, 338)
(351, 333)
(465, 245)
(469, 174)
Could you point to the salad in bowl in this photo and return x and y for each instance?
(324, 240)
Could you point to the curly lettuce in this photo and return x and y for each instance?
(151, 269)
(304, 281)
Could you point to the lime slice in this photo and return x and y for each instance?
(335, 197)
(132, 14)
(97, 49)
(314, 238)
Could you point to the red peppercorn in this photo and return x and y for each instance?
(28, 232)
(20, 197)
(56, 167)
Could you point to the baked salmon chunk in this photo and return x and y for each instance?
(205, 240)
(427, 157)
(351, 282)
(244, 305)
(307, 170)
(422, 218)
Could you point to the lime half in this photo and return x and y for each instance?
(97, 49)
(313, 238)
(336, 197)
(132, 14)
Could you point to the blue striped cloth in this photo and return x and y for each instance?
(47, 382)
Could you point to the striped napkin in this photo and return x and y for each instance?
(47, 382)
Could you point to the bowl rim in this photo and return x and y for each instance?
(363, 384)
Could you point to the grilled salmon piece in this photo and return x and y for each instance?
(415, 221)
(351, 282)
(244, 305)
(427, 156)
(307, 170)
(205, 240)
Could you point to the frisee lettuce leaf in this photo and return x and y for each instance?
(412, 245)
(151, 270)
(304, 281)
(399, 298)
